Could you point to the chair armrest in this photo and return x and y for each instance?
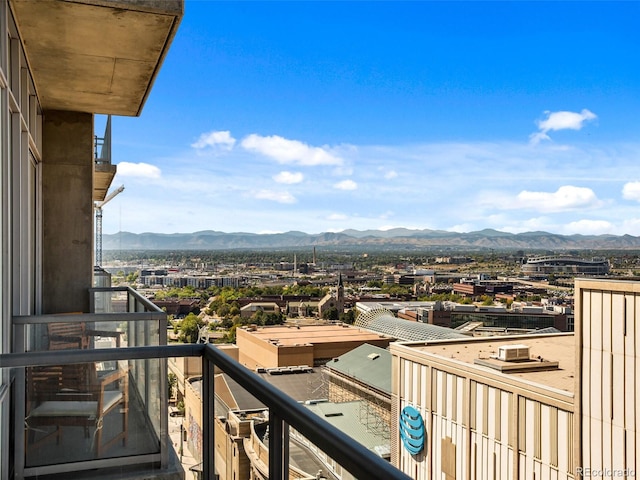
(113, 376)
(106, 333)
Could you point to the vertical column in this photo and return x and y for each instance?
(208, 419)
(278, 447)
(67, 211)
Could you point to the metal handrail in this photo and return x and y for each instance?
(83, 317)
(134, 293)
(283, 410)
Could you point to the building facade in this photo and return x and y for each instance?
(485, 422)
(555, 406)
(607, 387)
(60, 63)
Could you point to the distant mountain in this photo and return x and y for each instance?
(368, 239)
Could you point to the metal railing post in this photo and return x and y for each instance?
(208, 415)
(278, 448)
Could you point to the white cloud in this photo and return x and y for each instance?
(220, 139)
(289, 177)
(631, 226)
(485, 196)
(565, 198)
(289, 151)
(562, 120)
(337, 216)
(390, 174)
(275, 196)
(342, 171)
(346, 185)
(589, 227)
(631, 191)
(142, 170)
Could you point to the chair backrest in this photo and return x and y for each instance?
(64, 336)
(49, 382)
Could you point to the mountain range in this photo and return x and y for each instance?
(397, 238)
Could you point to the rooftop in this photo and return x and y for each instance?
(383, 321)
(555, 348)
(368, 364)
(346, 417)
(314, 334)
(299, 386)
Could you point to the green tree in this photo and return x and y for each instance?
(230, 336)
(132, 277)
(331, 314)
(190, 328)
(487, 300)
(273, 319)
(348, 317)
(224, 310)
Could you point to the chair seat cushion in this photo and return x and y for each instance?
(76, 408)
(64, 408)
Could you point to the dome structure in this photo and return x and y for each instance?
(382, 321)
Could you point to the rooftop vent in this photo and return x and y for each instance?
(373, 356)
(513, 353)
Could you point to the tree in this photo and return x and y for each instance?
(273, 319)
(190, 328)
(224, 310)
(132, 277)
(348, 317)
(487, 301)
(230, 336)
(331, 314)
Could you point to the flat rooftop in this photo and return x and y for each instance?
(315, 334)
(552, 348)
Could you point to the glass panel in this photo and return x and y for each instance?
(241, 424)
(100, 410)
(84, 412)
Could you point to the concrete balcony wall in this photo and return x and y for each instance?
(67, 211)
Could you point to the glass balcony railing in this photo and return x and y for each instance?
(265, 431)
(106, 412)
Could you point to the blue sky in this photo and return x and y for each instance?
(324, 116)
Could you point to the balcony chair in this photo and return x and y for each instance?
(74, 396)
(63, 336)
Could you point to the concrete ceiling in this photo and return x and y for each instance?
(96, 56)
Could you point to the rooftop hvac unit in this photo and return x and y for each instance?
(512, 353)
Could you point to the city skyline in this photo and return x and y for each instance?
(325, 116)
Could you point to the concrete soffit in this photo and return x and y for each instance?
(96, 56)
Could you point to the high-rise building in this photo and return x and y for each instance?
(559, 406)
(61, 62)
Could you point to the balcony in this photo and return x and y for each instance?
(130, 438)
(103, 169)
(92, 412)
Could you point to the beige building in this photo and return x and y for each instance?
(482, 420)
(281, 346)
(607, 389)
(558, 406)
